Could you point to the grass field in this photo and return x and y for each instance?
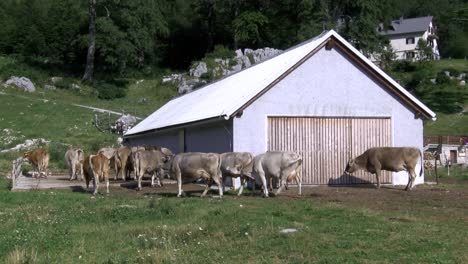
(335, 225)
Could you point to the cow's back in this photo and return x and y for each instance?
(391, 158)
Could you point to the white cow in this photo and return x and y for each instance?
(74, 159)
(284, 166)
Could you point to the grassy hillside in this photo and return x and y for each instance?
(442, 94)
(51, 115)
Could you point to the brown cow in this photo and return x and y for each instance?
(374, 160)
(95, 167)
(39, 159)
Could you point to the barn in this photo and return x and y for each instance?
(322, 99)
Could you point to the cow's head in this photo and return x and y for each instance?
(351, 166)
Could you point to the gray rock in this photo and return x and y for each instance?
(21, 82)
(124, 123)
(447, 73)
(55, 79)
(462, 76)
(288, 231)
(75, 87)
(142, 100)
(462, 83)
(199, 69)
(434, 81)
(49, 87)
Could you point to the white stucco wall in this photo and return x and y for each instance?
(327, 85)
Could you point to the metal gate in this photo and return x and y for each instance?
(326, 145)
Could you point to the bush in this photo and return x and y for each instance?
(404, 66)
(221, 52)
(65, 84)
(442, 78)
(57, 153)
(111, 89)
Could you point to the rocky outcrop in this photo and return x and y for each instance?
(21, 82)
(208, 70)
(124, 123)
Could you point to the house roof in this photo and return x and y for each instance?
(224, 98)
(408, 25)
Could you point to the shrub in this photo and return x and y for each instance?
(404, 66)
(442, 78)
(111, 90)
(221, 52)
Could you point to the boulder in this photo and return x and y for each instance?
(199, 69)
(21, 82)
(462, 83)
(49, 87)
(55, 79)
(124, 123)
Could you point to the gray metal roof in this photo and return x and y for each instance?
(408, 25)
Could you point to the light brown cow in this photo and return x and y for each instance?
(95, 167)
(195, 165)
(123, 165)
(151, 162)
(39, 159)
(374, 160)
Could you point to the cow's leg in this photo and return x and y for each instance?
(207, 188)
(218, 181)
(299, 180)
(261, 174)
(282, 182)
(81, 171)
(71, 170)
(243, 180)
(377, 175)
(123, 169)
(139, 175)
(412, 177)
(178, 175)
(95, 183)
(152, 178)
(116, 168)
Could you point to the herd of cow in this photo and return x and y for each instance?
(214, 168)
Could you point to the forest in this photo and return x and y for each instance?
(142, 36)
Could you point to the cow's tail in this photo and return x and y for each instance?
(218, 170)
(422, 163)
(91, 169)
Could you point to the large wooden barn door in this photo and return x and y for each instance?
(326, 144)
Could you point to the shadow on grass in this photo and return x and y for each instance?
(79, 189)
(349, 181)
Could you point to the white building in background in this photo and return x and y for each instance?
(404, 35)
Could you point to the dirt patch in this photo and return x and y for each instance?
(445, 201)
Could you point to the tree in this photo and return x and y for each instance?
(424, 51)
(247, 27)
(89, 71)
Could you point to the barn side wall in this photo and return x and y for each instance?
(206, 137)
(328, 85)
